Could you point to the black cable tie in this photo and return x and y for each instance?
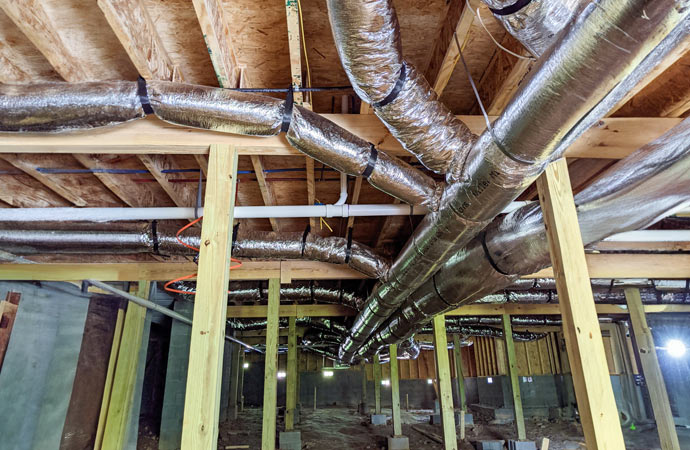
(511, 9)
(488, 255)
(392, 95)
(154, 236)
(287, 112)
(373, 157)
(144, 96)
(348, 249)
(304, 238)
(438, 293)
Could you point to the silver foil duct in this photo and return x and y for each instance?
(239, 293)
(537, 24)
(326, 325)
(601, 47)
(486, 331)
(408, 349)
(162, 240)
(633, 193)
(62, 107)
(367, 36)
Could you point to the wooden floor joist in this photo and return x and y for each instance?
(514, 379)
(445, 392)
(595, 400)
(395, 391)
(268, 428)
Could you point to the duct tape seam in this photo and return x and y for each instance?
(304, 238)
(144, 96)
(393, 94)
(154, 236)
(287, 114)
(511, 9)
(488, 255)
(348, 249)
(371, 164)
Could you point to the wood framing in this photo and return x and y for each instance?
(445, 392)
(235, 369)
(268, 428)
(121, 402)
(395, 391)
(266, 191)
(202, 396)
(514, 379)
(610, 138)
(656, 386)
(291, 379)
(108, 384)
(377, 384)
(588, 365)
(459, 373)
(216, 31)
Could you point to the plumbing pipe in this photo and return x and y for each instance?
(156, 307)
(343, 190)
(651, 236)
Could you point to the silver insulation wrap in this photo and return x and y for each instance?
(635, 192)
(297, 294)
(537, 24)
(161, 240)
(63, 107)
(594, 54)
(367, 36)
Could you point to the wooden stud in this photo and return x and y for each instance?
(459, 374)
(124, 379)
(233, 397)
(363, 368)
(443, 377)
(266, 191)
(395, 391)
(240, 385)
(291, 381)
(214, 27)
(108, 385)
(354, 200)
(268, 428)
(593, 389)
(514, 379)
(202, 398)
(656, 386)
(377, 384)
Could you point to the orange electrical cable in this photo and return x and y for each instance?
(167, 287)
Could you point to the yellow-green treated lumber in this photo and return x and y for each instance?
(514, 379)
(291, 388)
(460, 376)
(377, 384)
(395, 391)
(268, 429)
(445, 393)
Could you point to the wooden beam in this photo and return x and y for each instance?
(593, 390)
(552, 309)
(294, 35)
(631, 265)
(31, 18)
(135, 30)
(268, 429)
(202, 396)
(124, 380)
(459, 373)
(656, 386)
(514, 379)
(445, 54)
(354, 200)
(266, 191)
(395, 391)
(183, 194)
(445, 392)
(233, 398)
(612, 138)
(108, 384)
(214, 27)
(376, 367)
(291, 379)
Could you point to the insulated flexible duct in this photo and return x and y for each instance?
(537, 23)
(633, 193)
(159, 239)
(62, 107)
(367, 36)
(326, 325)
(593, 56)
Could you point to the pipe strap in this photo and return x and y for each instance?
(511, 9)
(393, 94)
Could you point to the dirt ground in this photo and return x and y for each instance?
(343, 428)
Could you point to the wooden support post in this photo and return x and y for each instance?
(268, 430)
(652, 372)
(108, 385)
(124, 380)
(314, 398)
(364, 385)
(240, 393)
(291, 388)
(445, 393)
(584, 343)
(233, 399)
(395, 391)
(514, 379)
(459, 375)
(377, 384)
(202, 398)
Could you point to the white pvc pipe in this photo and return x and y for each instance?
(651, 236)
(343, 189)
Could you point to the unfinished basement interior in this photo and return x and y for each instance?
(344, 224)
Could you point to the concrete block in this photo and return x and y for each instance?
(435, 419)
(521, 445)
(378, 419)
(290, 440)
(490, 445)
(398, 443)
